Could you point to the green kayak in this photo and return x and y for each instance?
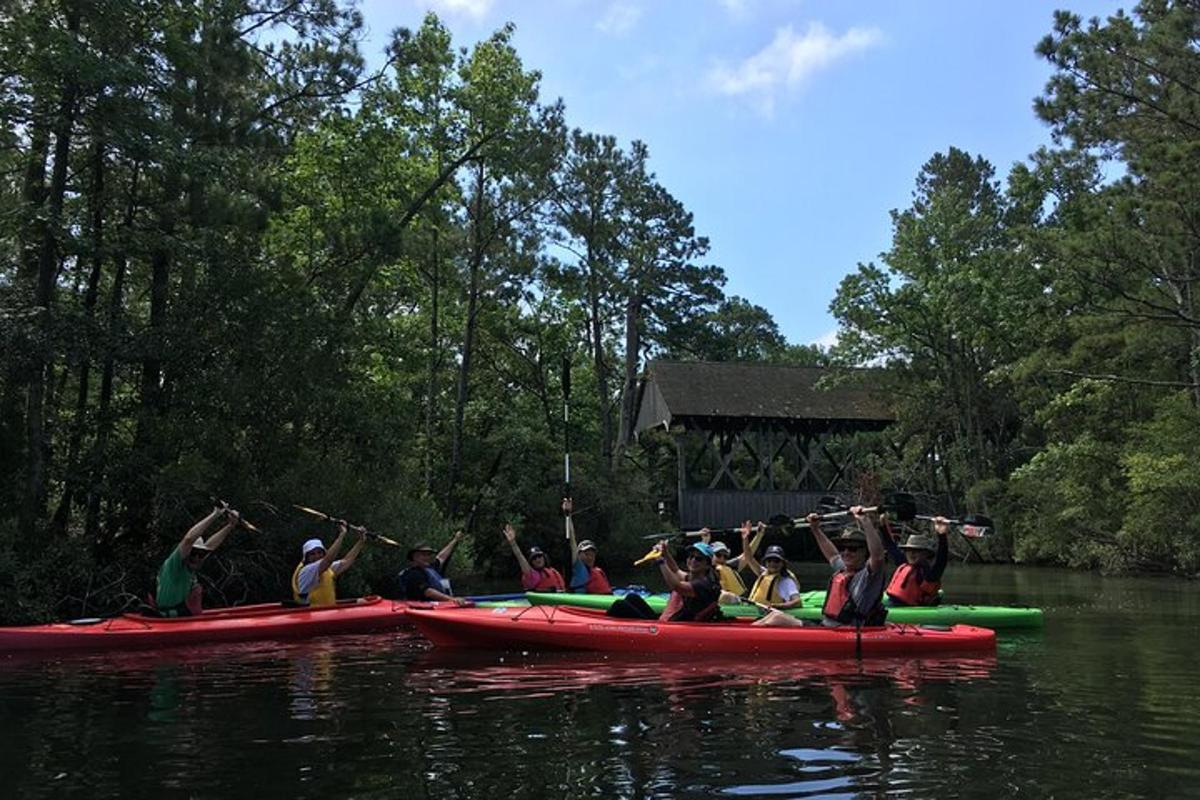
(980, 616)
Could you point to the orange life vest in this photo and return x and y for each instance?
(839, 606)
(905, 587)
(549, 580)
(597, 582)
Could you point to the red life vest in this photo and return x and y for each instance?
(839, 606)
(549, 580)
(597, 582)
(906, 587)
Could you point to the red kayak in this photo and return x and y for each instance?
(566, 628)
(237, 624)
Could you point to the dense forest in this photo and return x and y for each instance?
(237, 263)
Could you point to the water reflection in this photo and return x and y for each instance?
(1100, 704)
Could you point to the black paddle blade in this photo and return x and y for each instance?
(901, 506)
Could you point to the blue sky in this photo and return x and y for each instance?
(789, 128)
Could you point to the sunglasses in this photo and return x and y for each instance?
(773, 560)
(539, 555)
(851, 548)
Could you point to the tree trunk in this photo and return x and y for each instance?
(598, 364)
(43, 300)
(96, 201)
(435, 363)
(116, 301)
(633, 345)
(464, 369)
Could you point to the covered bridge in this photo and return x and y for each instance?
(755, 440)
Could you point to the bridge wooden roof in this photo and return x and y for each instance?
(675, 391)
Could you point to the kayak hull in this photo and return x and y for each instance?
(1005, 617)
(268, 621)
(567, 628)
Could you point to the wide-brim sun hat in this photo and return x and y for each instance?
(309, 546)
(920, 541)
(851, 536)
(422, 547)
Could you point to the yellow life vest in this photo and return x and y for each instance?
(730, 580)
(323, 595)
(766, 588)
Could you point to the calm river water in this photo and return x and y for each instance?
(1103, 703)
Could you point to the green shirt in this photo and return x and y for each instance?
(174, 581)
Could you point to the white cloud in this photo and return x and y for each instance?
(476, 9)
(827, 339)
(619, 18)
(788, 61)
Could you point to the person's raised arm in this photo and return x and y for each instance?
(889, 541)
(874, 543)
(332, 553)
(827, 549)
(511, 536)
(669, 560)
(448, 550)
(747, 556)
(344, 564)
(196, 531)
(739, 562)
(941, 527)
(567, 508)
(674, 579)
(217, 538)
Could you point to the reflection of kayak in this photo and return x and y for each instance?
(241, 623)
(540, 674)
(567, 628)
(982, 616)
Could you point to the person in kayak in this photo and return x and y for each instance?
(730, 580)
(424, 579)
(855, 593)
(728, 568)
(695, 592)
(179, 593)
(776, 586)
(536, 573)
(920, 563)
(314, 577)
(586, 577)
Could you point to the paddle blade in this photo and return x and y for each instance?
(379, 537)
(901, 506)
(312, 511)
(653, 555)
(248, 525)
(977, 526)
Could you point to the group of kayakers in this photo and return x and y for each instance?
(314, 580)
(708, 578)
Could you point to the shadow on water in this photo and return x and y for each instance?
(1101, 703)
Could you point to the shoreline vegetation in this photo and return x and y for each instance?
(236, 263)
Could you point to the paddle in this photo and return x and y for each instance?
(379, 537)
(238, 519)
(782, 522)
(566, 387)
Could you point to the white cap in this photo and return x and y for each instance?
(200, 544)
(310, 545)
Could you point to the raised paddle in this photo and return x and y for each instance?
(379, 537)
(782, 522)
(238, 519)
